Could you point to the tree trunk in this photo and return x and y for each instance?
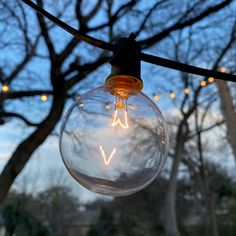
(209, 203)
(25, 149)
(228, 111)
(168, 211)
(213, 219)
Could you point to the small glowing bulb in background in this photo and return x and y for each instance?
(172, 95)
(107, 106)
(5, 88)
(187, 91)
(132, 107)
(44, 98)
(203, 83)
(156, 97)
(211, 79)
(223, 69)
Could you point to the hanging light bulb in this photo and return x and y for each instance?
(107, 106)
(203, 83)
(187, 91)
(172, 95)
(44, 97)
(114, 139)
(211, 79)
(156, 97)
(5, 88)
(223, 69)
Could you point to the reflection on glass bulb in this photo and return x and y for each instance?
(107, 161)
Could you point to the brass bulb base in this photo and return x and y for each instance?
(123, 86)
(124, 79)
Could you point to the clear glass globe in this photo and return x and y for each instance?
(114, 144)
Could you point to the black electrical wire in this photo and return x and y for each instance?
(144, 56)
(187, 68)
(77, 33)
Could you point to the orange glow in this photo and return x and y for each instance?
(203, 83)
(5, 88)
(44, 98)
(172, 95)
(107, 106)
(117, 120)
(187, 91)
(156, 97)
(107, 161)
(223, 69)
(211, 79)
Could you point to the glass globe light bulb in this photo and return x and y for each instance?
(114, 139)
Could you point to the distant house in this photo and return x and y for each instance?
(2, 226)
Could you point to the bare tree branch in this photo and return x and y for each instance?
(179, 25)
(45, 33)
(19, 116)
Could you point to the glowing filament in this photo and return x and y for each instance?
(107, 161)
(117, 120)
